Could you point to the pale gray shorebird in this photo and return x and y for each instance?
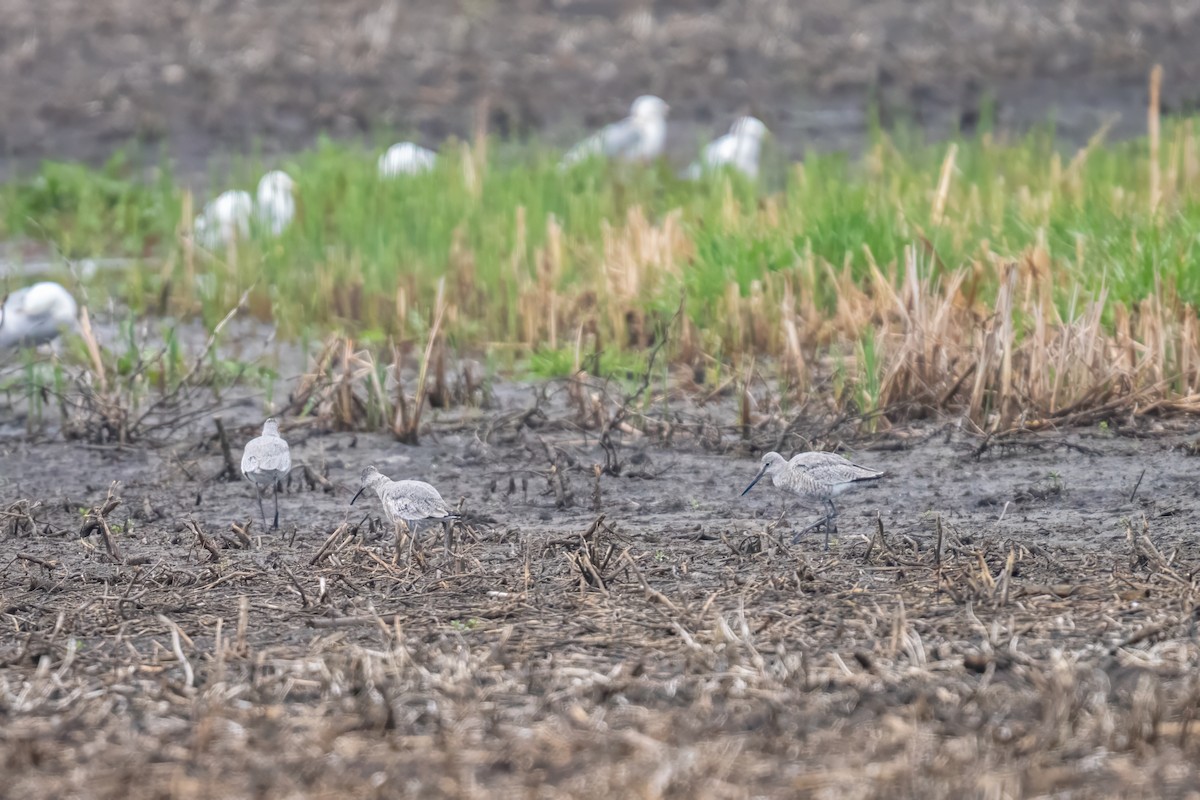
(411, 501)
(814, 476)
(265, 461)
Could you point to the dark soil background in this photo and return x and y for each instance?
(79, 78)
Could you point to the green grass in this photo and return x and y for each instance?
(91, 212)
(358, 240)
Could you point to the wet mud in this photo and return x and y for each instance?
(612, 619)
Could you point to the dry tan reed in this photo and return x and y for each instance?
(1016, 361)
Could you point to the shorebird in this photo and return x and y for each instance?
(814, 476)
(738, 149)
(265, 461)
(638, 137)
(36, 314)
(228, 216)
(406, 158)
(411, 501)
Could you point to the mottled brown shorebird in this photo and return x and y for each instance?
(814, 476)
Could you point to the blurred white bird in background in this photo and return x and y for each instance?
(638, 137)
(36, 315)
(224, 219)
(739, 149)
(406, 158)
(276, 202)
(228, 216)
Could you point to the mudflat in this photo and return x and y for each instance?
(1010, 616)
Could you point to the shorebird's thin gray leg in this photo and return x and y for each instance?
(830, 522)
(261, 510)
(449, 526)
(412, 537)
(275, 486)
(812, 527)
(397, 542)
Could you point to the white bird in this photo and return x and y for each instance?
(638, 137)
(36, 314)
(411, 501)
(265, 461)
(228, 216)
(224, 219)
(814, 476)
(276, 202)
(406, 158)
(738, 149)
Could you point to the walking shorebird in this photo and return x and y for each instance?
(265, 461)
(411, 501)
(814, 476)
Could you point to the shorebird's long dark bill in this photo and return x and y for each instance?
(356, 494)
(757, 478)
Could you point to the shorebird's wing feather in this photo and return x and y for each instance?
(815, 458)
(833, 474)
(266, 454)
(831, 468)
(412, 500)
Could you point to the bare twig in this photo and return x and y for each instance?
(204, 541)
(1137, 485)
(230, 471)
(97, 520)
